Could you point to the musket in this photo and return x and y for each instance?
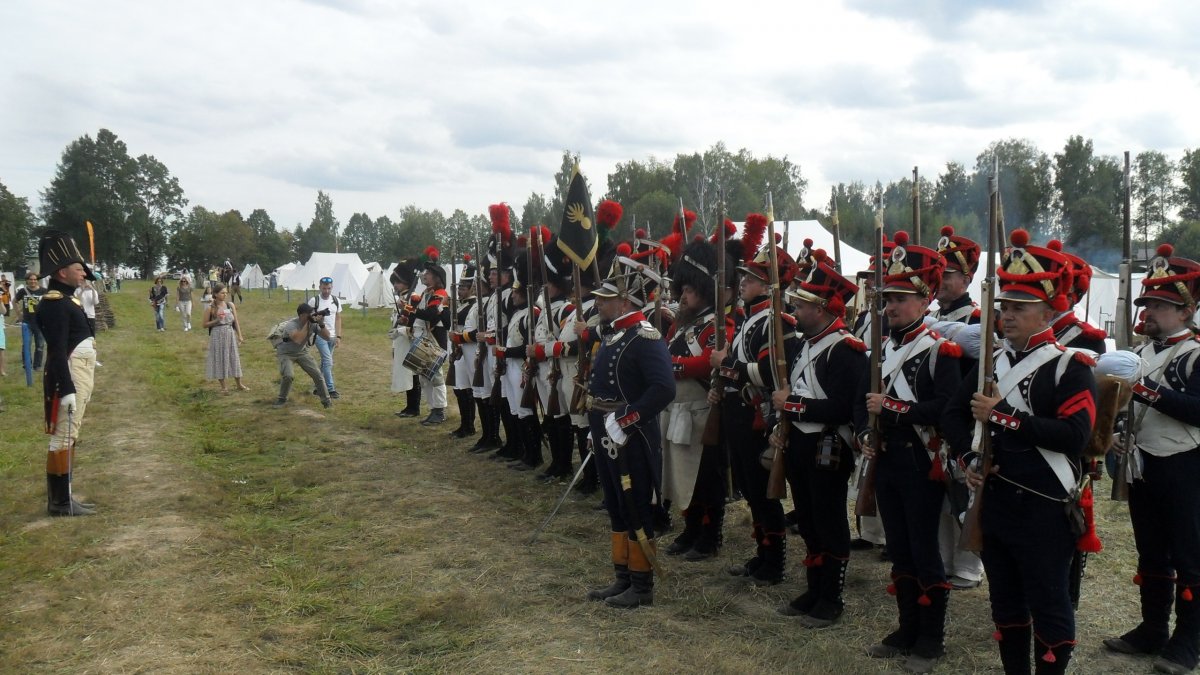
(971, 538)
(529, 397)
(916, 206)
(553, 407)
(583, 360)
(1124, 339)
(776, 481)
(501, 329)
(865, 504)
(712, 424)
(481, 329)
(837, 232)
(456, 351)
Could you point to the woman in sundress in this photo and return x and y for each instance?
(224, 336)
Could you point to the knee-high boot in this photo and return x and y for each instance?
(829, 605)
(485, 411)
(752, 564)
(412, 407)
(1013, 642)
(931, 631)
(1049, 660)
(900, 641)
(712, 535)
(692, 517)
(641, 576)
(1150, 636)
(774, 559)
(466, 411)
(514, 445)
(620, 560)
(553, 427)
(1182, 651)
(804, 603)
(59, 501)
(531, 440)
(492, 429)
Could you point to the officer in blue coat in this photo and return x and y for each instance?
(631, 383)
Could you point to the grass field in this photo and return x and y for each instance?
(236, 538)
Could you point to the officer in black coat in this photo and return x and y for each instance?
(1039, 420)
(631, 384)
(70, 366)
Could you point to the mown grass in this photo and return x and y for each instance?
(234, 537)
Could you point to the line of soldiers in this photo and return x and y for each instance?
(636, 368)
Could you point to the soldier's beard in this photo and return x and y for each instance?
(687, 315)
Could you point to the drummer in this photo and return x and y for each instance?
(432, 319)
(402, 335)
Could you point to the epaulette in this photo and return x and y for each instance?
(53, 295)
(1091, 332)
(648, 331)
(1084, 358)
(789, 319)
(976, 314)
(951, 349)
(854, 343)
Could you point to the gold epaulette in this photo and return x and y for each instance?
(53, 295)
(647, 330)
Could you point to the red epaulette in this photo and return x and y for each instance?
(789, 319)
(855, 344)
(537, 311)
(1091, 332)
(951, 349)
(976, 314)
(1085, 359)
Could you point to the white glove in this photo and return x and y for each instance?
(614, 430)
(67, 403)
(1121, 364)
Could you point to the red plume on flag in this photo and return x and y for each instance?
(500, 222)
(752, 235)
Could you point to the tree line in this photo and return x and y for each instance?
(1076, 194)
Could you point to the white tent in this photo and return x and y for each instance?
(347, 270)
(377, 292)
(252, 277)
(283, 273)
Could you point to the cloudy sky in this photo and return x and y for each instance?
(445, 104)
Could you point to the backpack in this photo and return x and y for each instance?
(279, 332)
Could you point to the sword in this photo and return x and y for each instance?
(561, 499)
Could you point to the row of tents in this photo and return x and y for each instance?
(368, 284)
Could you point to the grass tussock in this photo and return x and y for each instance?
(235, 537)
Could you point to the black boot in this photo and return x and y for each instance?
(711, 534)
(641, 576)
(774, 558)
(531, 442)
(59, 501)
(750, 566)
(1150, 636)
(829, 605)
(462, 418)
(491, 428)
(413, 406)
(639, 594)
(900, 641)
(620, 557)
(485, 422)
(1182, 652)
(1013, 642)
(1052, 660)
(514, 445)
(931, 629)
(466, 414)
(804, 603)
(691, 530)
(553, 428)
(436, 417)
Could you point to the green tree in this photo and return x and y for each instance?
(16, 231)
(652, 212)
(270, 245)
(153, 217)
(189, 248)
(361, 236)
(1153, 189)
(322, 232)
(416, 230)
(1026, 185)
(537, 212)
(94, 181)
(1187, 198)
(462, 233)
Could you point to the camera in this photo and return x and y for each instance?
(322, 313)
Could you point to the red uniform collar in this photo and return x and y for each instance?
(760, 306)
(1185, 334)
(835, 326)
(912, 334)
(631, 319)
(1038, 339)
(1065, 321)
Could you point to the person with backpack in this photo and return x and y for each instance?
(327, 304)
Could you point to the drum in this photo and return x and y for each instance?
(425, 357)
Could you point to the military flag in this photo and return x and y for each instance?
(577, 236)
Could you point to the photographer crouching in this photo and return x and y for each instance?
(294, 337)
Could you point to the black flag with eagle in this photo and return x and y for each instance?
(577, 237)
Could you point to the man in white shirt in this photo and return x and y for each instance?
(326, 302)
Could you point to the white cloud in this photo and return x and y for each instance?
(458, 105)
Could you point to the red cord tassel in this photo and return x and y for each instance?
(1186, 594)
(1137, 579)
(924, 600)
(891, 589)
(1049, 657)
(998, 636)
(1089, 542)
